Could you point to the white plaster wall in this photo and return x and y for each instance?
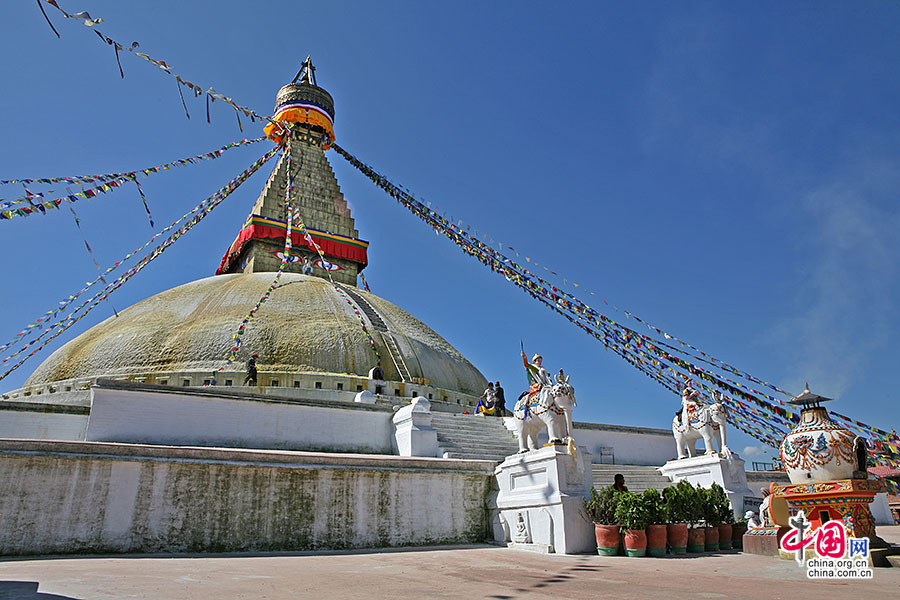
(34, 425)
(639, 446)
(881, 510)
(182, 418)
(77, 497)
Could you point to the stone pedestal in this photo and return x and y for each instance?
(764, 540)
(413, 433)
(706, 470)
(540, 503)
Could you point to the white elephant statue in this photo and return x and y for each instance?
(564, 396)
(708, 423)
(550, 409)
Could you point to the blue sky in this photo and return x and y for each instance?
(726, 172)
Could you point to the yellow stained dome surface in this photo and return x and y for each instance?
(304, 326)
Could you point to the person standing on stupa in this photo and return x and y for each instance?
(500, 404)
(250, 379)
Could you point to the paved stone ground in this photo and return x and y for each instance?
(460, 572)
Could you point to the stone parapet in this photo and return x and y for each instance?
(81, 497)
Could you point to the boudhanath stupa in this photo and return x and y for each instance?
(132, 437)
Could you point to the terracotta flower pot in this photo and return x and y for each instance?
(635, 542)
(677, 537)
(607, 539)
(737, 535)
(712, 539)
(656, 540)
(725, 536)
(696, 540)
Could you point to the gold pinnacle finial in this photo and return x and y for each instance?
(307, 73)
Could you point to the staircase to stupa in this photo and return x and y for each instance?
(473, 437)
(637, 478)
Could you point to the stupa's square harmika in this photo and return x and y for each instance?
(277, 430)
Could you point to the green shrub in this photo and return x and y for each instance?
(601, 506)
(673, 502)
(632, 512)
(710, 510)
(720, 504)
(693, 502)
(656, 512)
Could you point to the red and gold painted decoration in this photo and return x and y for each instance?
(331, 244)
(846, 500)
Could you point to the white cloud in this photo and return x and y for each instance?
(843, 305)
(757, 451)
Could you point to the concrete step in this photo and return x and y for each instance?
(467, 419)
(477, 442)
(452, 426)
(505, 450)
(477, 456)
(474, 433)
(473, 437)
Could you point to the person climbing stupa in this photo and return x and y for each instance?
(487, 401)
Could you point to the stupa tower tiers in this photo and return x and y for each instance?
(316, 193)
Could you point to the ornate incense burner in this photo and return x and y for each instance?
(818, 449)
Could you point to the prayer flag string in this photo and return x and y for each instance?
(211, 94)
(237, 337)
(105, 183)
(78, 313)
(750, 405)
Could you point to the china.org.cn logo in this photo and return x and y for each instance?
(838, 556)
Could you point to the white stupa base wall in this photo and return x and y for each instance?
(708, 469)
(29, 420)
(216, 417)
(540, 503)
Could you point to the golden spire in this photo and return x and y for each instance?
(307, 73)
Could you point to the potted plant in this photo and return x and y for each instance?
(725, 514)
(656, 522)
(693, 512)
(738, 529)
(710, 519)
(633, 516)
(601, 509)
(673, 500)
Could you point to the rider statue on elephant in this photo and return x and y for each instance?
(537, 372)
(690, 405)
(544, 405)
(698, 420)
